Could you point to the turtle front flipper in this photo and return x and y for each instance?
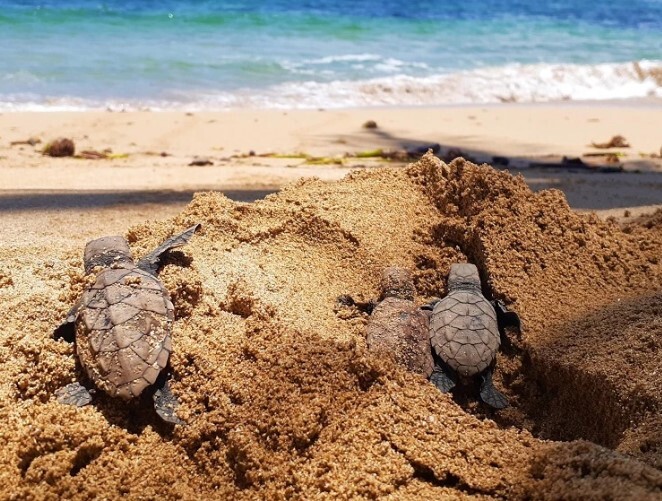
(166, 403)
(441, 379)
(364, 307)
(505, 317)
(74, 394)
(430, 306)
(489, 394)
(151, 261)
(67, 329)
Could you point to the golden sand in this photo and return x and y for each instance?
(282, 399)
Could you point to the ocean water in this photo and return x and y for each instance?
(204, 54)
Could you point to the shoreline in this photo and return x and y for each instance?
(626, 102)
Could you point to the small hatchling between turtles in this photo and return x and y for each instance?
(447, 341)
(397, 328)
(121, 326)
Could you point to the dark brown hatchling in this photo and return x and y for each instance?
(465, 331)
(122, 325)
(397, 328)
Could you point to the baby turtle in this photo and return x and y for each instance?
(465, 331)
(397, 327)
(121, 325)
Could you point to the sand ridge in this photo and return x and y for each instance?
(279, 393)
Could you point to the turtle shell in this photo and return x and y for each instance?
(398, 329)
(464, 332)
(123, 331)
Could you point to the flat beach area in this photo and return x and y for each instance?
(280, 396)
(255, 152)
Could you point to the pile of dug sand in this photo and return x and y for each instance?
(282, 399)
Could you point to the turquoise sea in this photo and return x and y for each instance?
(204, 54)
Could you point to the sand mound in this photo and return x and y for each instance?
(280, 395)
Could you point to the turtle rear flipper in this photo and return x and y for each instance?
(67, 329)
(165, 403)
(151, 261)
(74, 394)
(489, 394)
(442, 380)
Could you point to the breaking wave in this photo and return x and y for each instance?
(511, 83)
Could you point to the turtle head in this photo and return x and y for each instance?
(464, 276)
(107, 251)
(397, 282)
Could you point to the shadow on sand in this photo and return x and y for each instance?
(609, 190)
(11, 201)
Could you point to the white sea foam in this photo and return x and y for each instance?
(511, 83)
(21, 77)
(337, 66)
(344, 58)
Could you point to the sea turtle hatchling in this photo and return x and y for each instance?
(465, 331)
(122, 324)
(397, 327)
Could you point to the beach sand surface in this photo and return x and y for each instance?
(521, 133)
(280, 396)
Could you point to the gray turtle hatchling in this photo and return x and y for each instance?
(465, 334)
(397, 327)
(122, 325)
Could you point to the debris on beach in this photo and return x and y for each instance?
(386, 154)
(200, 162)
(404, 154)
(396, 155)
(609, 158)
(106, 154)
(609, 161)
(614, 142)
(32, 141)
(376, 153)
(307, 158)
(453, 153)
(62, 147)
(651, 155)
(370, 124)
(568, 162)
(400, 155)
(324, 161)
(420, 150)
(92, 155)
(500, 161)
